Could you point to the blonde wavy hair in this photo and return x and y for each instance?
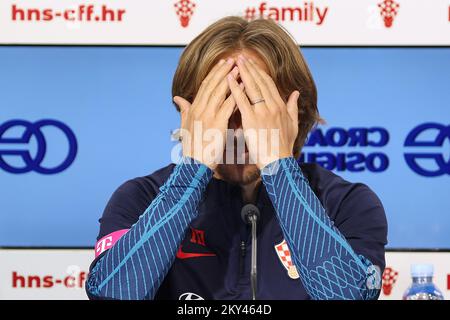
(273, 44)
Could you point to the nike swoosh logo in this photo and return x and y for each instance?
(187, 255)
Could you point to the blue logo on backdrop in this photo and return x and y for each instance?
(440, 133)
(34, 130)
(350, 161)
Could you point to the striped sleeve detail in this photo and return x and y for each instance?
(328, 266)
(136, 265)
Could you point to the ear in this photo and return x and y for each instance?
(292, 104)
(182, 103)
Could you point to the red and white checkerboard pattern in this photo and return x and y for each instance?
(284, 254)
(184, 8)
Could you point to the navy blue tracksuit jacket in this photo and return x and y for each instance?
(178, 234)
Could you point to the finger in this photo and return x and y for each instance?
(227, 108)
(241, 85)
(208, 77)
(251, 88)
(292, 105)
(270, 84)
(213, 79)
(218, 95)
(235, 73)
(271, 97)
(240, 97)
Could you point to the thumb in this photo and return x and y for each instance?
(292, 104)
(182, 103)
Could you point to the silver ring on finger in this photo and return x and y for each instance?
(257, 101)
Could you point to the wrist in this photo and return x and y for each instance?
(210, 164)
(265, 161)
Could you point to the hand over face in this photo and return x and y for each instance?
(270, 125)
(208, 113)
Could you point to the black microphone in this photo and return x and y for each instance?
(250, 215)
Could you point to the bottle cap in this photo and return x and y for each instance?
(422, 270)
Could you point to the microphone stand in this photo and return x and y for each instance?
(250, 214)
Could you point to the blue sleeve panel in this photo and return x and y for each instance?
(328, 266)
(136, 265)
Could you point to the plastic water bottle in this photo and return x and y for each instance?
(422, 287)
